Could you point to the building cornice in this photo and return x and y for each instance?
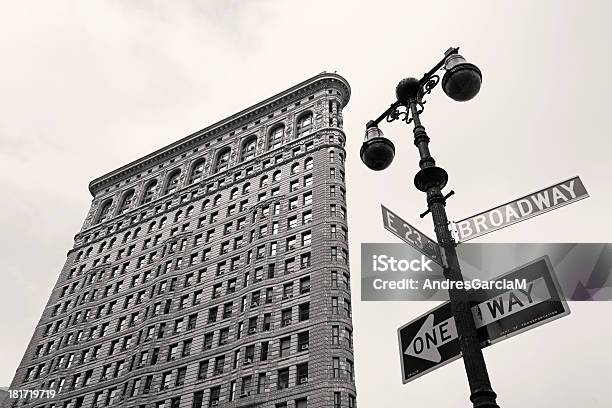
(235, 121)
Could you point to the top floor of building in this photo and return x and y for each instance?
(250, 135)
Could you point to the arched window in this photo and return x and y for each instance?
(223, 159)
(179, 216)
(173, 181)
(205, 204)
(104, 213)
(149, 192)
(234, 193)
(304, 125)
(308, 163)
(126, 202)
(295, 168)
(263, 181)
(276, 176)
(248, 148)
(246, 188)
(216, 200)
(275, 137)
(197, 172)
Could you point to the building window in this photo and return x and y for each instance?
(305, 260)
(219, 364)
(264, 351)
(334, 305)
(248, 148)
(295, 168)
(126, 202)
(349, 369)
(105, 211)
(335, 367)
(292, 222)
(303, 341)
(337, 400)
(202, 370)
(267, 322)
(349, 337)
(308, 163)
(306, 238)
(276, 176)
(180, 376)
(347, 307)
(165, 380)
(173, 181)
(261, 383)
(215, 392)
(308, 198)
(304, 312)
(223, 159)
(305, 285)
(286, 317)
(308, 180)
(304, 125)
(197, 172)
(285, 346)
(197, 399)
(283, 378)
(302, 373)
(335, 335)
(275, 137)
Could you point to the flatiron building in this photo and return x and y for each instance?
(210, 273)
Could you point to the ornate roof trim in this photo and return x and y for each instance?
(234, 121)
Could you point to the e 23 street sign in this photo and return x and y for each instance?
(411, 235)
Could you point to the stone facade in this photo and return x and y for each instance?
(227, 284)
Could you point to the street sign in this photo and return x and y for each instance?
(411, 235)
(529, 206)
(431, 340)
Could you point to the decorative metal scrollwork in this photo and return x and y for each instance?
(426, 89)
(400, 113)
(430, 84)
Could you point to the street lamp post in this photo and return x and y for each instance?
(461, 82)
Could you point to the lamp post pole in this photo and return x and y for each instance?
(461, 82)
(482, 394)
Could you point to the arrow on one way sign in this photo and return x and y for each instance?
(427, 340)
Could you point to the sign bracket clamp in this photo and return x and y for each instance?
(451, 193)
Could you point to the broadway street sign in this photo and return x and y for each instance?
(411, 235)
(431, 340)
(526, 207)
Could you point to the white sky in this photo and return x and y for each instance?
(86, 87)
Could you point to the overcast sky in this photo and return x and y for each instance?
(86, 87)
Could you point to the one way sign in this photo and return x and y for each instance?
(431, 340)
